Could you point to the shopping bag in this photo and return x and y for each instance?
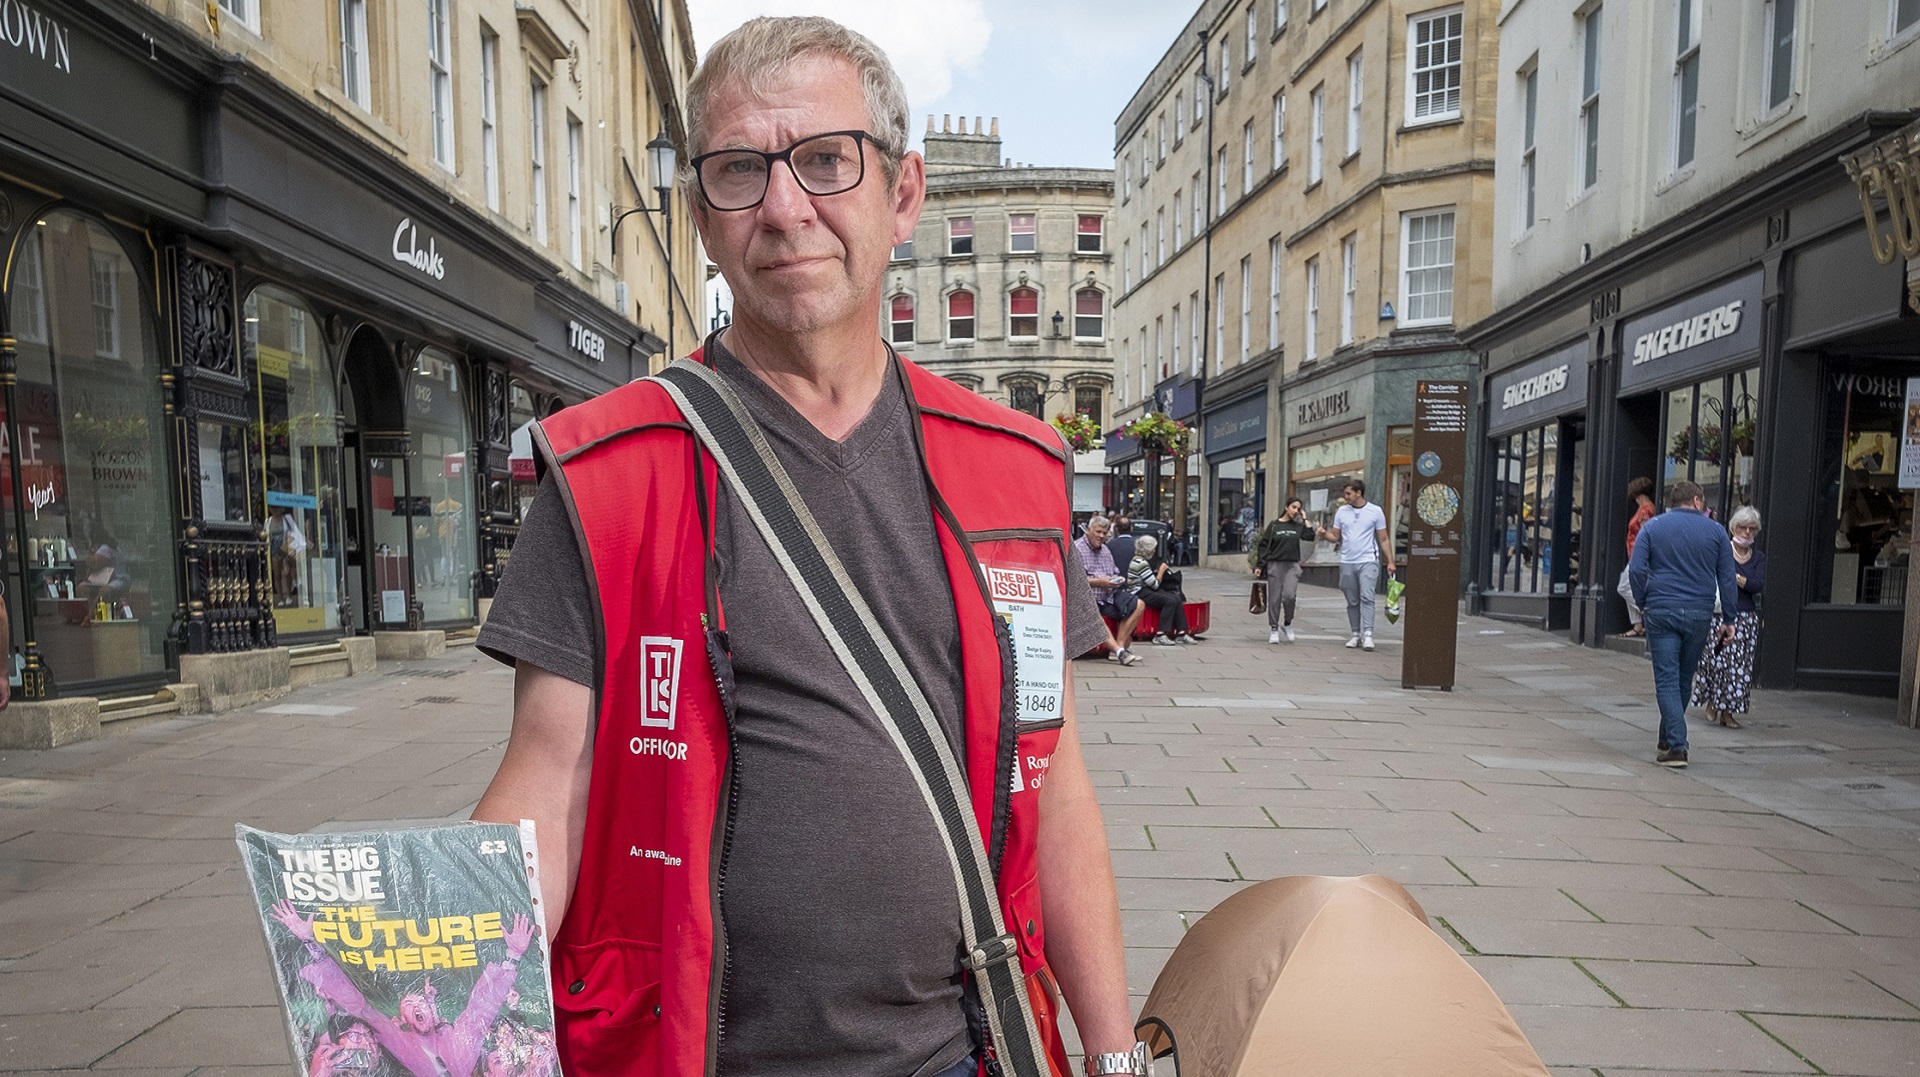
(1257, 601)
(1395, 589)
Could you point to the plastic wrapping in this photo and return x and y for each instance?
(414, 951)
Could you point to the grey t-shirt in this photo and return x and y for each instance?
(842, 924)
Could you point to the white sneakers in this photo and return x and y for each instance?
(1124, 657)
(1353, 641)
(1288, 629)
(1366, 642)
(1274, 636)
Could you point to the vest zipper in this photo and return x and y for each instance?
(729, 802)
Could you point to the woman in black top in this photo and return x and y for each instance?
(1723, 683)
(1276, 559)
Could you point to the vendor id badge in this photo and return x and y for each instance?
(1029, 601)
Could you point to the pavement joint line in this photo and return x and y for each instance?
(1688, 881)
(1472, 950)
(1884, 987)
(1791, 1049)
(1825, 917)
(1582, 904)
(1470, 826)
(1598, 982)
(1461, 870)
(1151, 844)
(1237, 873)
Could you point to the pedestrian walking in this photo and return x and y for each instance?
(1724, 682)
(759, 622)
(1681, 561)
(1276, 559)
(1360, 530)
(1640, 499)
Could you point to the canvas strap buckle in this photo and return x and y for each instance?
(990, 952)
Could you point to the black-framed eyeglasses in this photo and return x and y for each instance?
(830, 163)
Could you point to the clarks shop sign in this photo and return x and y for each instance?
(1695, 334)
(1553, 384)
(34, 34)
(408, 251)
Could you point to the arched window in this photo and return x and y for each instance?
(299, 460)
(1024, 396)
(1023, 310)
(1089, 315)
(960, 316)
(91, 436)
(901, 318)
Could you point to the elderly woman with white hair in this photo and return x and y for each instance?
(1147, 577)
(1724, 682)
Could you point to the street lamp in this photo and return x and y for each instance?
(1058, 321)
(662, 159)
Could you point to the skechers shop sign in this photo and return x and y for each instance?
(1711, 329)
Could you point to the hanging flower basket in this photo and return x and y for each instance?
(1082, 434)
(1159, 435)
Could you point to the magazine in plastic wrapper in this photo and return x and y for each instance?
(416, 951)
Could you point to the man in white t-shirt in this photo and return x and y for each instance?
(1360, 530)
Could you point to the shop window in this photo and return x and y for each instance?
(960, 317)
(1239, 486)
(900, 315)
(521, 412)
(1708, 431)
(299, 460)
(960, 236)
(1528, 552)
(1021, 237)
(1023, 311)
(1320, 471)
(1089, 315)
(1870, 517)
(439, 503)
(98, 588)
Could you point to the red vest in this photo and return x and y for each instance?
(637, 969)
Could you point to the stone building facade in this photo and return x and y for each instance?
(1684, 289)
(1303, 220)
(284, 280)
(1006, 284)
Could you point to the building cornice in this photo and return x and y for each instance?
(1012, 179)
(1384, 181)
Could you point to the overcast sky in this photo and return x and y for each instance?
(1056, 72)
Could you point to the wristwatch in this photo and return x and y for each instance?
(1137, 1062)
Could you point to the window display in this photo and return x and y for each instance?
(100, 573)
(440, 502)
(1320, 471)
(1536, 509)
(1867, 515)
(1708, 433)
(299, 461)
(1239, 499)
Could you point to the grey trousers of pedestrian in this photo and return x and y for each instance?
(1358, 583)
(1283, 585)
(1626, 592)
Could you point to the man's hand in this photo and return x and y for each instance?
(301, 926)
(519, 937)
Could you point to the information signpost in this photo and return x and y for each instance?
(1435, 538)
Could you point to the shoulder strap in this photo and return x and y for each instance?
(723, 425)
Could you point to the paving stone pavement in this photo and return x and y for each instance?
(1758, 913)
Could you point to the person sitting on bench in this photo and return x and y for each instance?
(1159, 590)
(1110, 589)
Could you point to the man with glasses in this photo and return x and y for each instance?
(750, 876)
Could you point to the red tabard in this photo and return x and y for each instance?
(638, 963)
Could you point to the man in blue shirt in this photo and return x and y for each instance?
(1680, 562)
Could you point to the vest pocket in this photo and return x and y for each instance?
(607, 995)
(1024, 903)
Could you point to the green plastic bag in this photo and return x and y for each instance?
(1395, 589)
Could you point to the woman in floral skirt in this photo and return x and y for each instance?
(1724, 682)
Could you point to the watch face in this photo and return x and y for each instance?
(1429, 464)
(1437, 503)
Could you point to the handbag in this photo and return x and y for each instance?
(1257, 601)
(721, 423)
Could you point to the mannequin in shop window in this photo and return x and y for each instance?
(287, 538)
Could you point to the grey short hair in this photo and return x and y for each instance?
(1099, 521)
(764, 46)
(1745, 514)
(1145, 545)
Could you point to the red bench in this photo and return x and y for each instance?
(1199, 616)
